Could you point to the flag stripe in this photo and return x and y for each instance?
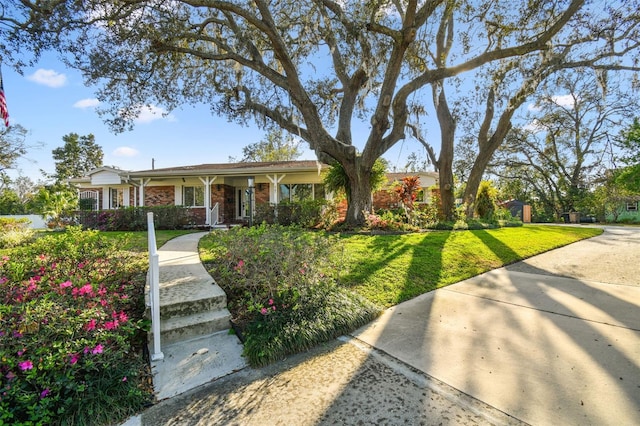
(4, 111)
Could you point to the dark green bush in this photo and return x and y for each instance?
(308, 213)
(135, 218)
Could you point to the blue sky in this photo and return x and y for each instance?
(51, 101)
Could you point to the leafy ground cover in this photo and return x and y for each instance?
(281, 288)
(72, 330)
(291, 289)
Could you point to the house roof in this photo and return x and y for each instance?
(232, 169)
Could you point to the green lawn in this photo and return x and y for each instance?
(138, 241)
(389, 269)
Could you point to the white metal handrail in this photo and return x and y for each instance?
(154, 289)
(215, 214)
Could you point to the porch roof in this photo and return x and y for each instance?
(232, 169)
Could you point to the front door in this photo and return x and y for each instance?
(243, 204)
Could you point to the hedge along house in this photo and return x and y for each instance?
(217, 193)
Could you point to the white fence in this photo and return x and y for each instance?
(37, 222)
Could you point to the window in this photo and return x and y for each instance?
(193, 196)
(632, 206)
(300, 192)
(116, 198)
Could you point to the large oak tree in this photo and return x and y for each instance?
(316, 67)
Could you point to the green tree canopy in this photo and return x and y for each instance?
(314, 68)
(12, 146)
(78, 155)
(277, 146)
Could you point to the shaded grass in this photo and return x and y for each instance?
(389, 269)
(137, 241)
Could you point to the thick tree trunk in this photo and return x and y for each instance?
(473, 182)
(359, 197)
(445, 161)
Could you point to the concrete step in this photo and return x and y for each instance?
(181, 328)
(195, 362)
(191, 297)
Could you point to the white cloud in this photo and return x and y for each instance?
(125, 151)
(49, 78)
(86, 103)
(534, 126)
(563, 100)
(151, 113)
(560, 100)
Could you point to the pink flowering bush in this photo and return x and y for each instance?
(282, 288)
(71, 309)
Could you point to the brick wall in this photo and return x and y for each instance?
(385, 199)
(159, 196)
(262, 193)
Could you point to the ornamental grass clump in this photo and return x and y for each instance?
(71, 308)
(281, 288)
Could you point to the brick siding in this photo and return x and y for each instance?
(159, 196)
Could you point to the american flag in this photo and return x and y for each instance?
(4, 112)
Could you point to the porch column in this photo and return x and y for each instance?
(273, 193)
(207, 181)
(143, 183)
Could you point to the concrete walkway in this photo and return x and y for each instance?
(516, 345)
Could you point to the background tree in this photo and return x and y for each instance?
(316, 67)
(628, 178)
(55, 203)
(12, 146)
(277, 146)
(76, 157)
(563, 149)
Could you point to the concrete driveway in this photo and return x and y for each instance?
(551, 340)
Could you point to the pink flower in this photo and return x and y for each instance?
(42, 257)
(3, 280)
(273, 307)
(86, 290)
(44, 393)
(102, 291)
(103, 302)
(239, 266)
(98, 349)
(91, 325)
(122, 317)
(10, 376)
(111, 325)
(271, 302)
(21, 352)
(66, 284)
(124, 379)
(25, 365)
(73, 358)
(263, 311)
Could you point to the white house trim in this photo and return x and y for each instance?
(273, 193)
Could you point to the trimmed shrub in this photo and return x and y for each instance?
(135, 218)
(15, 232)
